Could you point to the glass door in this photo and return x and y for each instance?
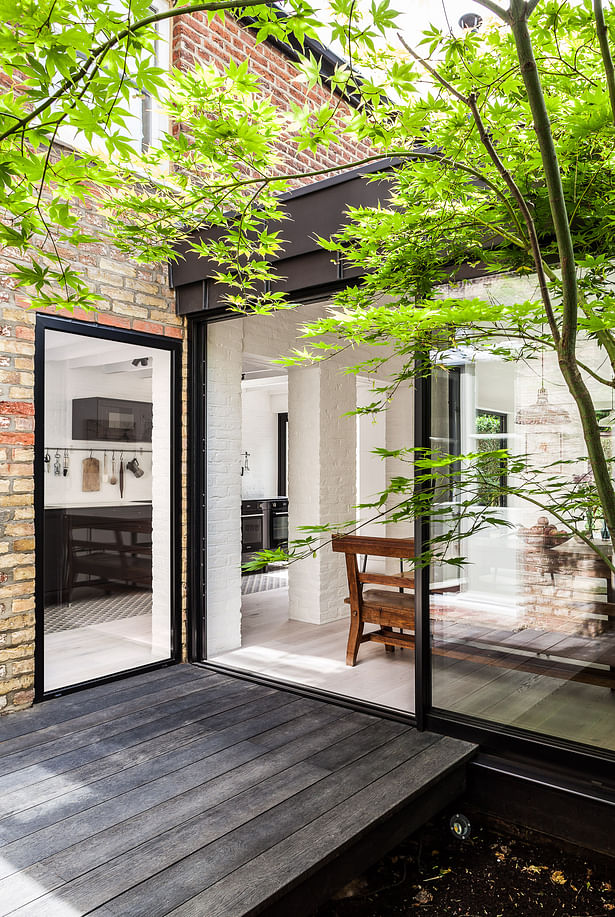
(288, 449)
(524, 638)
(107, 507)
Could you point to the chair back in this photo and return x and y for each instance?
(353, 545)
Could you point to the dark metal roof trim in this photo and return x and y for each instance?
(304, 270)
(379, 165)
(315, 210)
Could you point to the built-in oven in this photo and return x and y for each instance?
(278, 523)
(252, 529)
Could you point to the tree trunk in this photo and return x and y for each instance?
(566, 347)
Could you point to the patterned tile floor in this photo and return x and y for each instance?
(263, 582)
(97, 609)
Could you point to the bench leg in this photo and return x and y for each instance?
(354, 638)
(388, 646)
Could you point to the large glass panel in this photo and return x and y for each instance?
(524, 637)
(267, 477)
(107, 506)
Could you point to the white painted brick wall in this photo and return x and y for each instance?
(224, 358)
(322, 482)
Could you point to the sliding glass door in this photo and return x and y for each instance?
(524, 638)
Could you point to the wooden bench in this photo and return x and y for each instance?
(569, 657)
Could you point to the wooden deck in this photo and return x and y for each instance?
(188, 793)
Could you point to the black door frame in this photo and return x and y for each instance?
(46, 323)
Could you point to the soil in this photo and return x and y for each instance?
(489, 874)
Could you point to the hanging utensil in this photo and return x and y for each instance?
(133, 465)
(121, 474)
(113, 478)
(91, 474)
(65, 464)
(105, 466)
(57, 468)
(47, 461)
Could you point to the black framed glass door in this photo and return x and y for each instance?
(523, 646)
(106, 499)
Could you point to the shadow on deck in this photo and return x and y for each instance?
(186, 792)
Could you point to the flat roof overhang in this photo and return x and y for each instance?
(304, 270)
(304, 267)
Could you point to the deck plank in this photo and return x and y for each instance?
(148, 737)
(147, 801)
(79, 730)
(106, 801)
(279, 866)
(68, 707)
(185, 859)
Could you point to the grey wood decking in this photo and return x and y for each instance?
(188, 793)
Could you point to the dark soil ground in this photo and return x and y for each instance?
(491, 874)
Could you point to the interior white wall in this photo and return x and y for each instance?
(322, 456)
(66, 379)
(321, 483)
(260, 404)
(371, 468)
(400, 435)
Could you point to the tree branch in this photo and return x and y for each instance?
(506, 175)
(264, 180)
(212, 6)
(495, 8)
(525, 211)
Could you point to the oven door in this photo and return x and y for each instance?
(252, 529)
(279, 523)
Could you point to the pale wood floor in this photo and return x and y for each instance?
(314, 655)
(85, 653)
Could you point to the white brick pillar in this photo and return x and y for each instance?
(400, 435)
(224, 364)
(321, 482)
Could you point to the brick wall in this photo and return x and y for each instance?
(194, 39)
(135, 297)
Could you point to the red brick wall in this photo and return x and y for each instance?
(196, 40)
(136, 297)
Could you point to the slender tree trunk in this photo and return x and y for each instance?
(591, 433)
(607, 60)
(566, 347)
(548, 153)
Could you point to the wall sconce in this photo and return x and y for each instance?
(244, 462)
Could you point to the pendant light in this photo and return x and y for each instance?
(542, 413)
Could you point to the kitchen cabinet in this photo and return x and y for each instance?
(112, 420)
(116, 538)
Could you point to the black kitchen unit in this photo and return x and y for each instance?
(108, 547)
(276, 522)
(252, 529)
(112, 420)
(264, 524)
